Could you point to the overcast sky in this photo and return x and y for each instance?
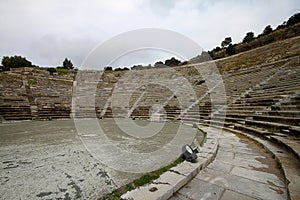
(47, 31)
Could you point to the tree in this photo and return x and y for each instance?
(108, 68)
(217, 49)
(159, 64)
(281, 26)
(15, 62)
(172, 62)
(6, 62)
(185, 63)
(51, 70)
(293, 19)
(227, 41)
(121, 69)
(249, 37)
(137, 67)
(230, 50)
(67, 64)
(267, 30)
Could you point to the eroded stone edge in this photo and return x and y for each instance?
(171, 181)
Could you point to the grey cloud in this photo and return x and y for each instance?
(49, 30)
(51, 49)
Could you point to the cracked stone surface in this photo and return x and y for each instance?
(241, 170)
(47, 160)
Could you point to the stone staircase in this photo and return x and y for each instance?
(28, 93)
(14, 103)
(270, 111)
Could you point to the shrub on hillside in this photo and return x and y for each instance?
(226, 42)
(121, 69)
(230, 50)
(15, 62)
(51, 70)
(108, 68)
(249, 37)
(172, 62)
(293, 19)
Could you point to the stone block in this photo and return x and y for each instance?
(198, 189)
(187, 169)
(151, 192)
(173, 179)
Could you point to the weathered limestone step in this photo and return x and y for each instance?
(273, 126)
(236, 173)
(274, 123)
(279, 119)
(171, 181)
(289, 163)
(251, 130)
(291, 143)
(84, 92)
(290, 118)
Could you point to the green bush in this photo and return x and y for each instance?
(14, 62)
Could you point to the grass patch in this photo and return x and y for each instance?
(129, 187)
(147, 178)
(143, 180)
(273, 156)
(278, 164)
(272, 131)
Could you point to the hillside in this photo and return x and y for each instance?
(275, 36)
(261, 55)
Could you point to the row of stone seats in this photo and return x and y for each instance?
(15, 113)
(52, 97)
(246, 79)
(168, 78)
(28, 93)
(261, 100)
(13, 98)
(268, 105)
(268, 109)
(151, 87)
(269, 114)
(237, 83)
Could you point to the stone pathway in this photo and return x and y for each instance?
(241, 170)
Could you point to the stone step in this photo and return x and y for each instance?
(272, 126)
(286, 107)
(289, 163)
(18, 117)
(252, 130)
(292, 113)
(277, 119)
(290, 143)
(295, 121)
